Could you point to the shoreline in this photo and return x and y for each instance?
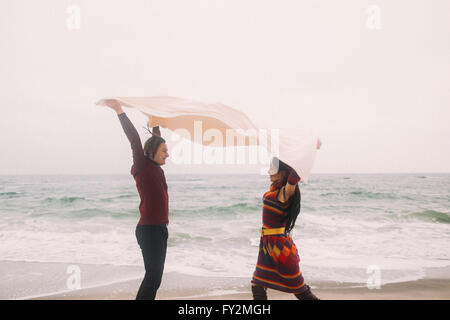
(52, 281)
(210, 288)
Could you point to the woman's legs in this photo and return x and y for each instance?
(153, 242)
(259, 293)
(306, 295)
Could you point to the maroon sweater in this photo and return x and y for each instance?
(150, 180)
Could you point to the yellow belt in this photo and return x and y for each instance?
(272, 231)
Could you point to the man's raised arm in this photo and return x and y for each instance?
(130, 131)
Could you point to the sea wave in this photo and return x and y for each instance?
(177, 238)
(122, 196)
(329, 194)
(10, 194)
(87, 213)
(374, 195)
(64, 199)
(380, 195)
(366, 195)
(222, 210)
(433, 216)
(344, 224)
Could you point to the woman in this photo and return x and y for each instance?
(278, 260)
(151, 230)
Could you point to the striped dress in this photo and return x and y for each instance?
(278, 259)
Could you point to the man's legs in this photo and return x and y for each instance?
(153, 243)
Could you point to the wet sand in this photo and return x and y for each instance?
(36, 280)
(208, 288)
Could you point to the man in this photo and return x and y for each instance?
(151, 230)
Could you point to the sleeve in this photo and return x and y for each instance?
(293, 178)
(135, 140)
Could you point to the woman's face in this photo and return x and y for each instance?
(278, 177)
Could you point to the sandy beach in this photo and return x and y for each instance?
(415, 290)
(51, 281)
(178, 286)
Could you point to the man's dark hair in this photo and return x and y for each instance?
(152, 144)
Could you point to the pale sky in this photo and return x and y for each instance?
(379, 98)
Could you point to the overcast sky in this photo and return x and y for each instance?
(373, 81)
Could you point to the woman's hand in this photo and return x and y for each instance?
(114, 104)
(319, 144)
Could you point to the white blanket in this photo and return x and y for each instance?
(296, 147)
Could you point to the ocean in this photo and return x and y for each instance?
(349, 225)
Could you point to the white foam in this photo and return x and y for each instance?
(337, 239)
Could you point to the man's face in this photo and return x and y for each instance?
(161, 154)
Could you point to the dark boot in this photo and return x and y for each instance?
(307, 295)
(259, 293)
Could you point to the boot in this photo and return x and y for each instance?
(307, 295)
(259, 293)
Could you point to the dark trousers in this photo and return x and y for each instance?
(153, 242)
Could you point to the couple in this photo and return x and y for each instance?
(278, 260)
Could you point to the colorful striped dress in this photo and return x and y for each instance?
(278, 259)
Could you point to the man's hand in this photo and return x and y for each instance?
(114, 104)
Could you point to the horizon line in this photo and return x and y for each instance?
(209, 173)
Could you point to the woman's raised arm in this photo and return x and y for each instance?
(289, 189)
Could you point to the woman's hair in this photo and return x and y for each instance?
(152, 144)
(294, 208)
